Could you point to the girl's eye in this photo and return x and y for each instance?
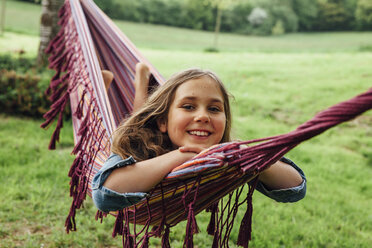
(214, 109)
(188, 107)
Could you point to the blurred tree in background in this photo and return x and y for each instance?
(363, 15)
(48, 26)
(282, 16)
(307, 12)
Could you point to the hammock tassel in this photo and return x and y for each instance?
(159, 229)
(245, 230)
(191, 227)
(145, 242)
(58, 93)
(119, 225)
(57, 59)
(84, 127)
(216, 239)
(55, 81)
(128, 241)
(212, 223)
(56, 108)
(165, 239)
(79, 109)
(70, 223)
(99, 215)
(55, 136)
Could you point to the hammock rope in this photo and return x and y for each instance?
(214, 180)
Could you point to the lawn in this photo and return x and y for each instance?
(277, 85)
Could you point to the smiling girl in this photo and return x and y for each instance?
(186, 115)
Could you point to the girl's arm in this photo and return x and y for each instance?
(143, 176)
(280, 176)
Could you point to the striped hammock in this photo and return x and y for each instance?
(214, 181)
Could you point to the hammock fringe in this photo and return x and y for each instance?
(245, 231)
(213, 209)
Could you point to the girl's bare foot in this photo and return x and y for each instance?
(108, 76)
(141, 84)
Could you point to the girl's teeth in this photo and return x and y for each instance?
(199, 133)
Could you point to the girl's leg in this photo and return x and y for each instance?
(141, 84)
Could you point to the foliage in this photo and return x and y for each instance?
(363, 15)
(236, 18)
(307, 12)
(22, 87)
(334, 15)
(278, 28)
(257, 16)
(270, 14)
(31, 1)
(285, 14)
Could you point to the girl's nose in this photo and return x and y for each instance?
(202, 117)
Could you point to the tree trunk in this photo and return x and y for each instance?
(2, 18)
(48, 26)
(217, 27)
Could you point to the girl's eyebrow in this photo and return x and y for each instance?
(193, 98)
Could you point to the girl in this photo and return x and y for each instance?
(186, 115)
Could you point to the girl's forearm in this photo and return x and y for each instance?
(280, 176)
(143, 176)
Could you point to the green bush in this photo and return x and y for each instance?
(363, 15)
(236, 19)
(280, 18)
(31, 1)
(333, 15)
(307, 12)
(278, 29)
(22, 87)
(21, 64)
(286, 16)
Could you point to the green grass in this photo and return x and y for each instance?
(22, 17)
(14, 43)
(278, 83)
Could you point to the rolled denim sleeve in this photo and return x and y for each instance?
(286, 195)
(106, 199)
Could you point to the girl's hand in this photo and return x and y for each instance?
(192, 149)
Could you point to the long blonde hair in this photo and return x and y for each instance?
(139, 135)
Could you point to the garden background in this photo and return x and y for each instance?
(278, 82)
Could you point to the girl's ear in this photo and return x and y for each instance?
(162, 125)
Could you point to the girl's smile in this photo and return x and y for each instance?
(196, 116)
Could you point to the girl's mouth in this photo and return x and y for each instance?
(199, 133)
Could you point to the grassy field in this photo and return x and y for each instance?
(277, 86)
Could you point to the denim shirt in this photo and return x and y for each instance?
(108, 200)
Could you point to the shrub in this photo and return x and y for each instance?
(22, 64)
(22, 87)
(235, 19)
(363, 15)
(278, 29)
(271, 16)
(257, 16)
(286, 15)
(307, 12)
(332, 16)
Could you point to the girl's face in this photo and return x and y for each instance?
(196, 116)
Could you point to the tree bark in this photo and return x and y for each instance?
(2, 17)
(217, 27)
(48, 27)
